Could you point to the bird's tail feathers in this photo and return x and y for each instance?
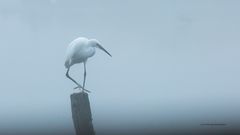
(67, 63)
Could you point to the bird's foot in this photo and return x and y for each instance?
(82, 90)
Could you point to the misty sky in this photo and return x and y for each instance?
(173, 62)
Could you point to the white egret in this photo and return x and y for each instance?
(78, 51)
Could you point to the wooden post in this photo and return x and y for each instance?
(81, 114)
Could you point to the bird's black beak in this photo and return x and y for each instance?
(100, 47)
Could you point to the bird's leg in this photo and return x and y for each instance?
(85, 74)
(78, 85)
(67, 74)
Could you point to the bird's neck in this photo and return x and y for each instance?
(90, 51)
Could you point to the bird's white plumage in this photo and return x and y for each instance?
(78, 51)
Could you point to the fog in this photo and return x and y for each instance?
(175, 63)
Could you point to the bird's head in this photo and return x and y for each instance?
(95, 43)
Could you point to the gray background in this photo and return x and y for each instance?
(175, 63)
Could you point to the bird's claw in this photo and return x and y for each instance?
(80, 88)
